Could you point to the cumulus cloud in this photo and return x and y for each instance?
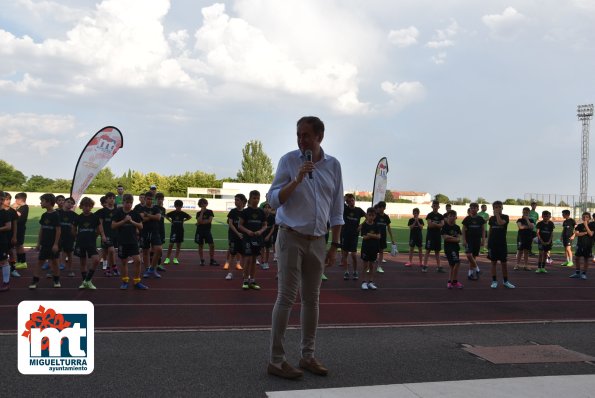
(403, 94)
(506, 25)
(439, 58)
(404, 37)
(444, 37)
(38, 131)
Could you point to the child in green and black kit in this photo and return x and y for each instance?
(545, 236)
(48, 240)
(86, 228)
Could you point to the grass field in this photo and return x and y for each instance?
(219, 230)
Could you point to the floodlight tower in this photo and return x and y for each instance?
(585, 114)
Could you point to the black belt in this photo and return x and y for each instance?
(299, 234)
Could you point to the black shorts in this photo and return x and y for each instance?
(236, 246)
(433, 243)
(473, 247)
(21, 235)
(382, 242)
(88, 252)
(415, 240)
(204, 237)
(267, 244)
(127, 250)
(176, 236)
(369, 255)
(584, 251)
(251, 247)
(151, 239)
(111, 242)
(46, 253)
(545, 248)
(498, 254)
(349, 242)
(67, 244)
(453, 257)
(524, 244)
(566, 242)
(3, 253)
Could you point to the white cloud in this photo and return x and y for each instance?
(404, 37)
(51, 9)
(439, 58)
(444, 37)
(505, 25)
(38, 131)
(403, 94)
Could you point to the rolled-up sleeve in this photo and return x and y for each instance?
(336, 212)
(282, 178)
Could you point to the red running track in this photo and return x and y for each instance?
(193, 297)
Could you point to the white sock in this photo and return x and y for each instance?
(6, 273)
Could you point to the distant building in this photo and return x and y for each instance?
(414, 197)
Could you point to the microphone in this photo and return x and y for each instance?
(308, 154)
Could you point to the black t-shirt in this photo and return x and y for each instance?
(434, 218)
(498, 232)
(151, 225)
(49, 223)
(106, 216)
(585, 240)
(138, 207)
(161, 222)
(568, 227)
(126, 231)
(12, 216)
(371, 245)
(546, 230)
(24, 215)
(474, 227)
(454, 231)
(66, 222)
(270, 224)
(416, 230)
(527, 233)
(352, 217)
(86, 229)
(383, 221)
(253, 219)
(204, 228)
(234, 216)
(177, 219)
(4, 236)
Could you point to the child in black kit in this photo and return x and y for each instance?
(87, 227)
(451, 233)
(371, 236)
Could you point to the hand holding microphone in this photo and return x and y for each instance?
(308, 154)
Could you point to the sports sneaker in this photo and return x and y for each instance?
(33, 286)
(140, 286)
(508, 285)
(15, 273)
(584, 276)
(226, 265)
(364, 285)
(544, 271)
(516, 268)
(20, 265)
(45, 266)
(355, 276)
(202, 263)
(4, 287)
(239, 266)
(176, 261)
(148, 273)
(130, 261)
(449, 285)
(564, 264)
(115, 271)
(440, 270)
(324, 278)
(458, 285)
(383, 260)
(91, 286)
(538, 270)
(213, 263)
(408, 264)
(156, 274)
(346, 276)
(254, 285)
(576, 275)
(57, 285)
(472, 276)
(570, 264)
(372, 286)
(229, 276)
(161, 268)
(424, 268)
(257, 262)
(245, 285)
(265, 266)
(61, 266)
(71, 274)
(379, 269)
(166, 261)
(124, 286)
(494, 284)
(83, 285)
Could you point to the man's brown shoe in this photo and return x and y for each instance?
(312, 365)
(286, 371)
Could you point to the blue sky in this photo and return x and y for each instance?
(464, 98)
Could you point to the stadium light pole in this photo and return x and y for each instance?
(585, 114)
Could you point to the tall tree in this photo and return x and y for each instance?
(11, 178)
(256, 165)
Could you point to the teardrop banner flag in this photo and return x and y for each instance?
(98, 151)
(380, 180)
